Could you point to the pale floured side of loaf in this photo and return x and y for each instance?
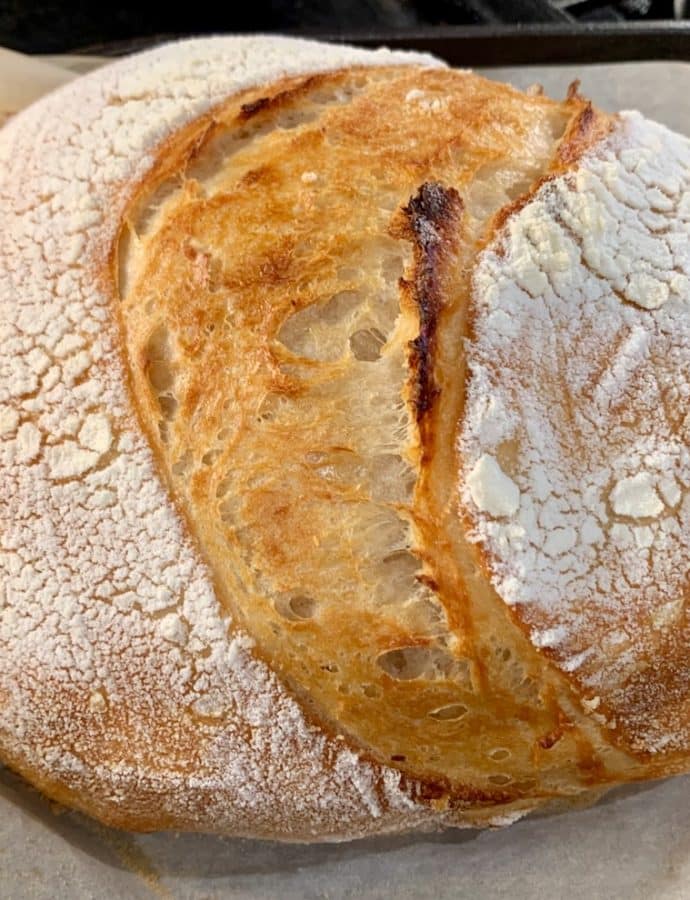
(576, 468)
(123, 689)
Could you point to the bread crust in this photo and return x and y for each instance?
(193, 644)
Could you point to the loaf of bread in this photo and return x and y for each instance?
(344, 444)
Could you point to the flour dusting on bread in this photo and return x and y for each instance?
(580, 381)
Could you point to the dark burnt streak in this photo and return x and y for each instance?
(444, 795)
(432, 217)
(428, 581)
(574, 90)
(249, 110)
(281, 99)
(579, 137)
(551, 739)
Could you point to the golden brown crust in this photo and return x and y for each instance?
(293, 396)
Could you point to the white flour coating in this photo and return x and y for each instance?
(580, 388)
(636, 497)
(105, 609)
(491, 489)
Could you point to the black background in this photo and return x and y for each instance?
(54, 26)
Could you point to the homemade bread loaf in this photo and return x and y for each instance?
(343, 444)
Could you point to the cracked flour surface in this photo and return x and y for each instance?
(120, 677)
(576, 439)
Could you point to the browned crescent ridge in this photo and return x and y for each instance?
(295, 283)
(432, 218)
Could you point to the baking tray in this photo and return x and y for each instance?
(635, 845)
(492, 45)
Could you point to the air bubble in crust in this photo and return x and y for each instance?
(499, 753)
(371, 690)
(450, 713)
(160, 375)
(210, 457)
(405, 663)
(500, 779)
(296, 607)
(408, 663)
(320, 331)
(168, 405)
(366, 344)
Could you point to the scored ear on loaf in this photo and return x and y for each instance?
(351, 436)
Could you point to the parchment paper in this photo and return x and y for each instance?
(635, 845)
(24, 79)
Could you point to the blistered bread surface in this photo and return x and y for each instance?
(342, 443)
